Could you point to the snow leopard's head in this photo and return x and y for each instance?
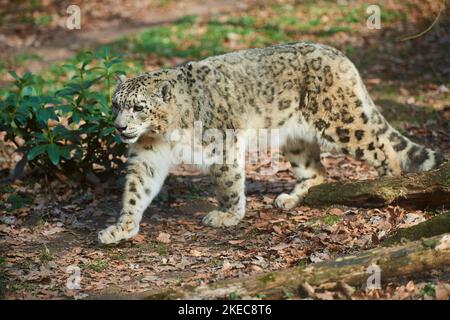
(141, 105)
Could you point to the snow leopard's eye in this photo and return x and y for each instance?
(115, 107)
(138, 108)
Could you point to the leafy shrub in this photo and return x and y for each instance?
(71, 128)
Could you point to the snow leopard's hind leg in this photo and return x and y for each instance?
(309, 171)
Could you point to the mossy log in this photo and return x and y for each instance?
(438, 224)
(429, 189)
(405, 260)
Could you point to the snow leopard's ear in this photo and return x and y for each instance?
(120, 78)
(165, 91)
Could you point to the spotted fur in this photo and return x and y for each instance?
(312, 93)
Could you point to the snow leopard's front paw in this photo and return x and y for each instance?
(287, 201)
(220, 219)
(116, 233)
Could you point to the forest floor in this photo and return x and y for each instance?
(48, 228)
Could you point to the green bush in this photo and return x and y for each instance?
(70, 128)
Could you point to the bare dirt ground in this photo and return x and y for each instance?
(102, 22)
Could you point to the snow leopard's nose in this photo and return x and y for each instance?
(120, 127)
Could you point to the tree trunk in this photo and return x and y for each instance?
(429, 189)
(404, 260)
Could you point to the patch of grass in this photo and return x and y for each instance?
(98, 265)
(332, 30)
(25, 286)
(388, 15)
(331, 219)
(234, 296)
(253, 233)
(189, 19)
(119, 256)
(6, 189)
(215, 262)
(40, 221)
(18, 200)
(288, 294)
(160, 247)
(354, 15)
(176, 282)
(244, 21)
(302, 263)
(429, 290)
(46, 255)
(43, 20)
(162, 3)
(261, 296)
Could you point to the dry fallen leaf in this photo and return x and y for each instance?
(256, 268)
(278, 230)
(442, 291)
(279, 247)
(52, 231)
(139, 238)
(163, 237)
(236, 241)
(227, 266)
(410, 286)
(336, 212)
(195, 253)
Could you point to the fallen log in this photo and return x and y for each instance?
(438, 224)
(404, 260)
(429, 189)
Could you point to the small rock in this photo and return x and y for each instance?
(443, 89)
(8, 220)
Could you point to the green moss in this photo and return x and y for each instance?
(234, 296)
(302, 263)
(429, 290)
(267, 278)
(261, 296)
(166, 295)
(331, 219)
(159, 247)
(390, 193)
(288, 294)
(438, 224)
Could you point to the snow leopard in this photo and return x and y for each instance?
(311, 93)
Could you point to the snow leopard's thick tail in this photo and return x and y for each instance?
(412, 156)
